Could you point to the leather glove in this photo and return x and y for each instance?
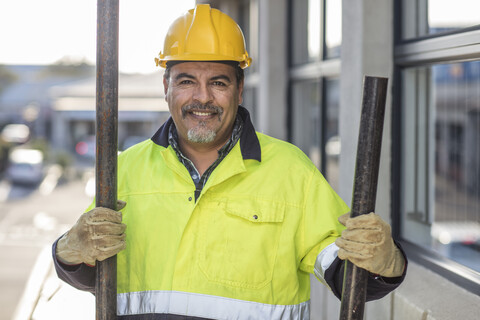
(367, 242)
(97, 235)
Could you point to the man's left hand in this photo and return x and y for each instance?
(367, 242)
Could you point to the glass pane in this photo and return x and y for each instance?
(441, 160)
(248, 21)
(443, 15)
(306, 35)
(332, 137)
(306, 118)
(249, 102)
(427, 17)
(333, 28)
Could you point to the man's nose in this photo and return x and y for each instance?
(203, 94)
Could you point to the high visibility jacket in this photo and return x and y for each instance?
(264, 221)
(243, 250)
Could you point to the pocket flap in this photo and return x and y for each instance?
(256, 211)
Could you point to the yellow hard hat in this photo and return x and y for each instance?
(204, 34)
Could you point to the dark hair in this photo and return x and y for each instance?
(239, 74)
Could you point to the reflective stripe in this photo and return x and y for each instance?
(325, 260)
(206, 306)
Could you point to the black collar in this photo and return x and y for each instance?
(249, 144)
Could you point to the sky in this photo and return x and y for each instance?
(46, 31)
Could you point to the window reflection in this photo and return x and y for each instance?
(306, 31)
(307, 118)
(315, 126)
(428, 17)
(333, 28)
(441, 161)
(333, 145)
(445, 16)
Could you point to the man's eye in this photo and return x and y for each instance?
(186, 82)
(219, 83)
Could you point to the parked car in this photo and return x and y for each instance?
(25, 167)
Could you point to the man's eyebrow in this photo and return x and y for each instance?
(184, 75)
(221, 77)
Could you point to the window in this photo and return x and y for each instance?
(437, 141)
(441, 159)
(248, 21)
(314, 88)
(307, 129)
(250, 101)
(331, 142)
(432, 17)
(316, 30)
(333, 28)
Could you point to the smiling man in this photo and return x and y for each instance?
(221, 221)
(203, 99)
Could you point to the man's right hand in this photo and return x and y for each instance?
(97, 235)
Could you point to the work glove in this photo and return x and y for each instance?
(97, 235)
(367, 242)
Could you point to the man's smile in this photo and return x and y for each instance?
(202, 112)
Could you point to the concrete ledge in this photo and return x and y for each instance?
(427, 296)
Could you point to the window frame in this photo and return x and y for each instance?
(458, 46)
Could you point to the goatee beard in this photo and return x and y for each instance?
(201, 133)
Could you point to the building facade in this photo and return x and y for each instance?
(305, 86)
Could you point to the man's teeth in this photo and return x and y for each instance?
(201, 114)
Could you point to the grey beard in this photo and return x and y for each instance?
(201, 134)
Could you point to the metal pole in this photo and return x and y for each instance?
(365, 187)
(106, 145)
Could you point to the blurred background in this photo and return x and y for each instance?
(47, 119)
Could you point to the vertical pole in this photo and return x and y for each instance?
(365, 187)
(106, 145)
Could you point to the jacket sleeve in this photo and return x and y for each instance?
(377, 286)
(79, 276)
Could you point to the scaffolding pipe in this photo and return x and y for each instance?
(365, 187)
(106, 145)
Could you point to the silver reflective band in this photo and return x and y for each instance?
(206, 306)
(325, 260)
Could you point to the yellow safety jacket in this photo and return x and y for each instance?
(265, 219)
(263, 222)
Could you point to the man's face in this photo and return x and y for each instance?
(203, 99)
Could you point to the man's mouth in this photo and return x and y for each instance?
(203, 112)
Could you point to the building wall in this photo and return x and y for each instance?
(367, 49)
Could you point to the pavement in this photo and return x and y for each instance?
(47, 297)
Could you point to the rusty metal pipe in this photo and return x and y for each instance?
(365, 187)
(106, 145)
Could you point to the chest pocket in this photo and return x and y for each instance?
(240, 242)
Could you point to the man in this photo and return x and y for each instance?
(223, 222)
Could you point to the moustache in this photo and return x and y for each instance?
(201, 107)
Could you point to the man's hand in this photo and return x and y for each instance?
(367, 242)
(97, 235)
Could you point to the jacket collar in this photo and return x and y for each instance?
(249, 144)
